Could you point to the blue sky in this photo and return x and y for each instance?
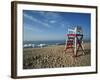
(46, 25)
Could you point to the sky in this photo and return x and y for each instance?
(48, 25)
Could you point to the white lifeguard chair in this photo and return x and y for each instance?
(74, 40)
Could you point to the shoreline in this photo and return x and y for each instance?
(86, 45)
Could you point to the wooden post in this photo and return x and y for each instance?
(75, 45)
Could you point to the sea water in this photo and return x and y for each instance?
(42, 43)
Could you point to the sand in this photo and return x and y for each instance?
(54, 57)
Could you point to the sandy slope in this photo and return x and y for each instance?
(54, 56)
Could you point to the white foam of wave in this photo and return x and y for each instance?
(34, 46)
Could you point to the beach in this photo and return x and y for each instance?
(54, 56)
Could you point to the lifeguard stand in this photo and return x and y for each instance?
(74, 40)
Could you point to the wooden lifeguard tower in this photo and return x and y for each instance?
(74, 40)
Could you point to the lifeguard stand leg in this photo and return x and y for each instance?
(75, 47)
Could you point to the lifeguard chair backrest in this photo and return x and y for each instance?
(75, 30)
(71, 30)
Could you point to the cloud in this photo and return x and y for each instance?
(36, 20)
(53, 21)
(52, 15)
(47, 19)
(28, 27)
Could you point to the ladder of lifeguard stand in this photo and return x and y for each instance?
(74, 40)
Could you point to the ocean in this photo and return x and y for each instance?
(45, 43)
(35, 44)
